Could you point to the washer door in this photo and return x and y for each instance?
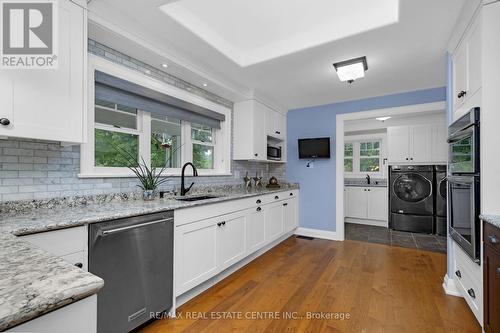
(412, 187)
(442, 188)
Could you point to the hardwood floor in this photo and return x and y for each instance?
(381, 288)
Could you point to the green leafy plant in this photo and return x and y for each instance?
(150, 177)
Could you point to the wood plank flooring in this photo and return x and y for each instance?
(381, 288)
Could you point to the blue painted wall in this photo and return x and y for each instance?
(317, 185)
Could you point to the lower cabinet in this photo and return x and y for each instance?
(207, 247)
(274, 221)
(366, 203)
(491, 276)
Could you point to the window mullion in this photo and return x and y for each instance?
(144, 123)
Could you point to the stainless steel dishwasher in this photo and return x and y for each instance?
(134, 256)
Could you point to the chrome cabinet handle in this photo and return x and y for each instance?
(113, 231)
(471, 293)
(458, 273)
(493, 239)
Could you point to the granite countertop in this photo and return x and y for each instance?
(366, 185)
(491, 219)
(34, 282)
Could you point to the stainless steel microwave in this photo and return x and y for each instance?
(274, 153)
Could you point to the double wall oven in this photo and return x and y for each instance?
(464, 183)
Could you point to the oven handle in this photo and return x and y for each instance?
(102, 233)
(459, 135)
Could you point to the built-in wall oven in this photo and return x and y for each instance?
(464, 183)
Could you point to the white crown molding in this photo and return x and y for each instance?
(469, 11)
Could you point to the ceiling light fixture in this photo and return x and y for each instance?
(205, 84)
(164, 65)
(351, 70)
(382, 119)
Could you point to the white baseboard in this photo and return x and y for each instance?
(375, 223)
(449, 287)
(331, 235)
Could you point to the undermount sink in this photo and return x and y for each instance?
(197, 198)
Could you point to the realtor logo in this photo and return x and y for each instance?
(28, 34)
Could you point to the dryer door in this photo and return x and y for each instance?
(411, 193)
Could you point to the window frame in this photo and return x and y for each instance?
(221, 137)
(356, 141)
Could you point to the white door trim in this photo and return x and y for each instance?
(340, 119)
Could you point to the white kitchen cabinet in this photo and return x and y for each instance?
(232, 239)
(467, 69)
(290, 214)
(274, 221)
(50, 104)
(250, 139)
(377, 204)
(254, 122)
(368, 203)
(275, 124)
(357, 202)
(417, 144)
(196, 253)
(398, 144)
(77, 317)
(439, 143)
(256, 229)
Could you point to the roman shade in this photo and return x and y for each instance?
(113, 89)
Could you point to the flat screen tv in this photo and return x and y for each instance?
(314, 148)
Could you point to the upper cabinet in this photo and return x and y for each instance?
(255, 127)
(467, 79)
(49, 104)
(275, 124)
(417, 144)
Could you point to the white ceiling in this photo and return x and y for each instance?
(284, 49)
(260, 30)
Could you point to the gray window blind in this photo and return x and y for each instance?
(116, 90)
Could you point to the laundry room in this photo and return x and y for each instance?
(395, 176)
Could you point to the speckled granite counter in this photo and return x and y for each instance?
(33, 282)
(491, 219)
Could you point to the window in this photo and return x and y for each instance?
(203, 146)
(115, 135)
(369, 156)
(135, 118)
(348, 157)
(363, 156)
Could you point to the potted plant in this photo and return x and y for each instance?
(150, 177)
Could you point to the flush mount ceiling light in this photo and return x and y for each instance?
(351, 70)
(205, 84)
(164, 65)
(382, 119)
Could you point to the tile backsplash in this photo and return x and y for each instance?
(35, 169)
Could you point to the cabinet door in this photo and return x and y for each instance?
(439, 143)
(290, 217)
(357, 202)
(231, 239)
(491, 290)
(398, 141)
(280, 128)
(474, 60)
(377, 207)
(256, 229)
(259, 130)
(421, 143)
(49, 104)
(273, 221)
(459, 74)
(196, 258)
(270, 122)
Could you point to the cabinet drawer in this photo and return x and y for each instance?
(471, 289)
(59, 242)
(464, 263)
(491, 236)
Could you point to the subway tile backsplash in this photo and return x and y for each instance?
(35, 169)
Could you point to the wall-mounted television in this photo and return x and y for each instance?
(314, 148)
